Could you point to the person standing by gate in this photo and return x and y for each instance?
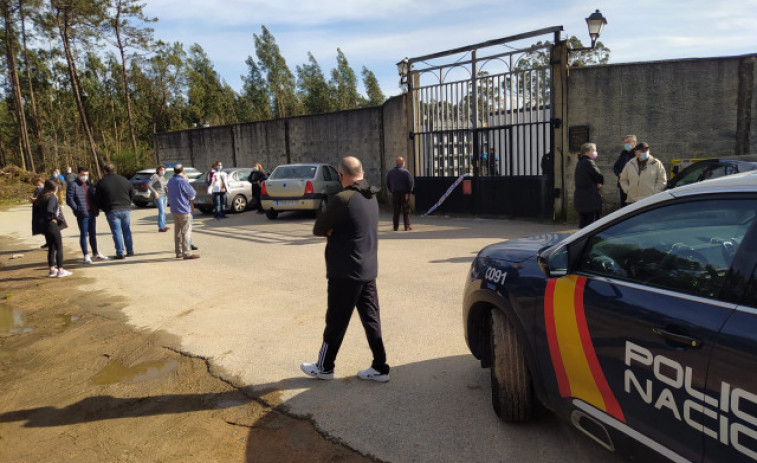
(399, 182)
(588, 195)
(629, 142)
(643, 176)
(350, 225)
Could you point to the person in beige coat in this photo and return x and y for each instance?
(643, 176)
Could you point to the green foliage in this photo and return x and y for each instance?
(119, 69)
(313, 88)
(343, 84)
(372, 89)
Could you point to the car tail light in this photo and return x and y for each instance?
(263, 190)
(309, 188)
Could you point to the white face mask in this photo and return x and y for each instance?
(161, 172)
(83, 178)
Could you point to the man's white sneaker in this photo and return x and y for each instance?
(53, 273)
(101, 257)
(62, 273)
(311, 369)
(87, 260)
(373, 375)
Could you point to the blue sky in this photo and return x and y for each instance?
(377, 34)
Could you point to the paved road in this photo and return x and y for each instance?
(254, 306)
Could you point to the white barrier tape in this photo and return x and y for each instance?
(446, 194)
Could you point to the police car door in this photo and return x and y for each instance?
(730, 424)
(645, 294)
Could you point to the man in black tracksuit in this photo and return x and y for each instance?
(350, 224)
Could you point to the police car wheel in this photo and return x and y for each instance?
(512, 391)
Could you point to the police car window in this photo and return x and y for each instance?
(685, 247)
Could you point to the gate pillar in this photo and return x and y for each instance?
(559, 64)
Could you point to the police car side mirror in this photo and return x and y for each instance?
(553, 261)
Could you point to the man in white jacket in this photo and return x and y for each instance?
(643, 176)
(218, 181)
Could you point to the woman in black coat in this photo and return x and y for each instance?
(48, 219)
(589, 180)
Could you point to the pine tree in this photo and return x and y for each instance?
(280, 80)
(372, 89)
(313, 88)
(343, 84)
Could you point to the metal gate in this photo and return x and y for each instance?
(486, 116)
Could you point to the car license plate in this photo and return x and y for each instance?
(285, 203)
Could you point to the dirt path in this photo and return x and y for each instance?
(78, 384)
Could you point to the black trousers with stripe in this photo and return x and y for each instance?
(343, 297)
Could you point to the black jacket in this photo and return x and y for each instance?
(587, 197)
(77, 200)
(44, 210)
(352, 247)
(114, 193)
(399, 180)
(621, 162)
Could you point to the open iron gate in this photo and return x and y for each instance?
(489, 117)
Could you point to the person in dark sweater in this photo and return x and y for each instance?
(80, 197)
(113, 195)
(399, 182)
(589, 180)
(628, 153)
(47, 218)
(350, 225)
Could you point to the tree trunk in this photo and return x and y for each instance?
(125, 79)
(32, 100)
(10, 51)
(76, 87)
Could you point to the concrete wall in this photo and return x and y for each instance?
(375, 135)
(684, 109)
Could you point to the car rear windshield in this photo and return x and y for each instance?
(288, 172)
(142, 177)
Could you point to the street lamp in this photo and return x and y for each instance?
(403, 67)
(596, 23)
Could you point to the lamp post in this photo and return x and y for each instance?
(596, 23)
(403, 67)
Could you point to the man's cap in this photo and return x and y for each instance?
(642, 146)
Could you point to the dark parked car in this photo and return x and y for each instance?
(640, 329)
(143, 197)
(713, 168)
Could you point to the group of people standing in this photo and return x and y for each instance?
(639, 175)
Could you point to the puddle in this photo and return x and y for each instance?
(13, 321)
(117, 372)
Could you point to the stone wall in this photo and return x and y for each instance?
(375, 135)
(684, 109)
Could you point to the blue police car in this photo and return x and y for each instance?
(641, 329)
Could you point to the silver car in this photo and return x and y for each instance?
(238, 194)
(299, 187)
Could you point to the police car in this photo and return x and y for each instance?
(641, 329)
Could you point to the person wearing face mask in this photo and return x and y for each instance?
(257, 177)
(157, 185)
(80, 197)
(629, 142)
(589, 180)
(643, 176)
(217, 181)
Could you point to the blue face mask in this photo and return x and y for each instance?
(40, 187)
(627, 147)
(644, 156)
(219, 168)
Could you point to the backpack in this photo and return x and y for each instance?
(209, 178)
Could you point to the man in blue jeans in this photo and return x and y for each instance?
(114, 194)
(80, 196)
